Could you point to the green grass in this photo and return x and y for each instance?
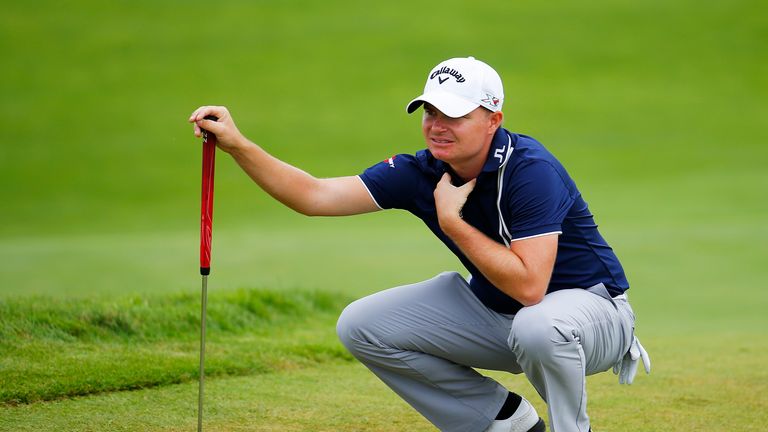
(62, 348)
(339, 255)
(697, 395)
(657, 109)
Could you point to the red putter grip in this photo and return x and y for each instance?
(206, 207)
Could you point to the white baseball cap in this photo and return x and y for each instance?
(459, 85)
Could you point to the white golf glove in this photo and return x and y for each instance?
(626, 368)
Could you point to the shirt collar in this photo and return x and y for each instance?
(500, 150)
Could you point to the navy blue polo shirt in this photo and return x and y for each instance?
(523, 191)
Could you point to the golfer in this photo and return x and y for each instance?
(544, 295)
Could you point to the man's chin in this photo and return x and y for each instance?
(440, 154)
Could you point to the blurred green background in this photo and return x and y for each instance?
(658, 110)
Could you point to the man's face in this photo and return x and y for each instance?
(459, 141)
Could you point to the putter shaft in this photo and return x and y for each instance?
(202, 354)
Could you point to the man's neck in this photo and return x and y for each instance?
(472, 168)
(468, 171)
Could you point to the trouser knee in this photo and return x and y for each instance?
(534, 336)
(351, 328)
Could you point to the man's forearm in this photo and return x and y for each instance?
(284, 182)
(500, 265)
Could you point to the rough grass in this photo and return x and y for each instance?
(51, 349)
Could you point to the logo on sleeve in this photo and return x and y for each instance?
(390, 161)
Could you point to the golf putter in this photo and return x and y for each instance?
(206, 231)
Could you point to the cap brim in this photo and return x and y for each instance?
(449, 104)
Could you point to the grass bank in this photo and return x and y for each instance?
(54, 348)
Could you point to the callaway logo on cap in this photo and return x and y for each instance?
(459, 85)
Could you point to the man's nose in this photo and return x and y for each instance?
(439, 124)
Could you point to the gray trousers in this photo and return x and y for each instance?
(424, 341)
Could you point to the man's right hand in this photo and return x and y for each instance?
(228, 137)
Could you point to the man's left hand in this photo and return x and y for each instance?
(626, 368)
(449, 200)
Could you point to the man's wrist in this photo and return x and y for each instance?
(239, 146)
(451, 225)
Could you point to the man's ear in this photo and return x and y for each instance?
(496, 118)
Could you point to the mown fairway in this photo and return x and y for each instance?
(658, 110)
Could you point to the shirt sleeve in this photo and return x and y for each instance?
(538, 201)
(391, 183)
